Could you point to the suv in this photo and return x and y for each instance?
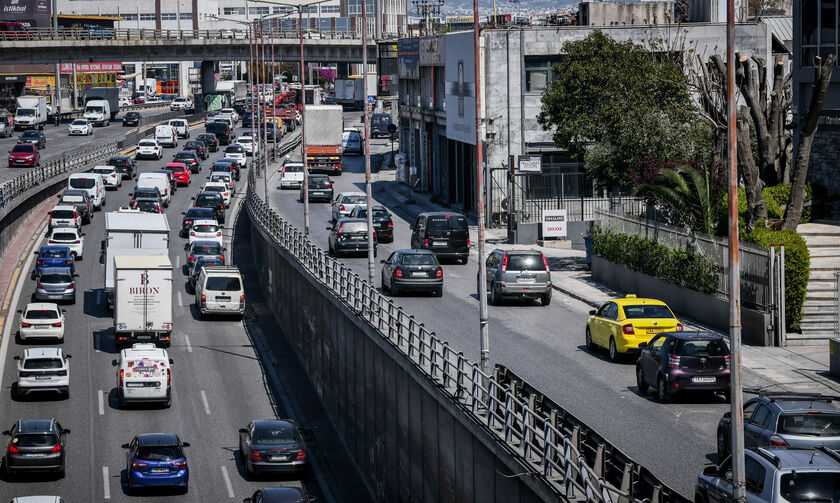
(124, 165)
(35, 445)
(214, 201)
(775, 475)
(81, 200)
(445, 233)
(221, 130)
(43, 369)
(784, 419)
(518, 273)
(219, 290)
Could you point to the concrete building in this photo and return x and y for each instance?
(625, 13)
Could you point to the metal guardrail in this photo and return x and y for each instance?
(35, 34)
(553, 455)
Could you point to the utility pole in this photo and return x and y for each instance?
(262, 108)
(479, 177)
(57, 86)
(303, 129)
(368, 189)
(273, 92)
(251, 81)
(736, 396)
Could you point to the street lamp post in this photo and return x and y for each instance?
(484, 334)
(263, 123)
(368, 189)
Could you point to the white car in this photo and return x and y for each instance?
(206, 230)
(125, 102)
(80, 127)
(112, 179)
(292, 176)
(70, 237)
(181, 104)
(223, 178)
(231, 112)
(43, 369)
(64, 215)
(149, 149)
(345, 202)
(41, 320)
(298, 117)
(250, 144)
(234, 34)
(221, 187)
(238, 153)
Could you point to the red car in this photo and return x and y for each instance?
(180, 171)
(24, 154)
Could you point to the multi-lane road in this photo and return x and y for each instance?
(222, 378)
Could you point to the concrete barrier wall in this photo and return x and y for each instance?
(409, 441)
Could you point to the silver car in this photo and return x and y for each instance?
(56, 283)
(518, 273)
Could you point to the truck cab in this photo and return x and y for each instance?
(98, 112)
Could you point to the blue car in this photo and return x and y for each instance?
(54, 256)
(157, 460)
(351, 142)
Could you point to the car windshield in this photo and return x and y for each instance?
(56, 278)
(709, 347)
(810, 486)
(64, 236)
(274, 435)
(52, 254)
(205, 228)
(353, 200)
(63, 214)
(223, 284)
(647, 311)
(813, 424)
(35, 440)
(458, 223)
(159, 453)
(207, 200)
(23, 148)
(78, 123)
(207, 249)
(418, 259)
(82, 183)
(525, 263)
(25, 112)
(199, 213)
(97, 110)
(353, 227)
(43, 364)
(41, 314)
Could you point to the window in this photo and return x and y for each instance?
(168, 16)
(819, 29)
(129, 17)
(612, 311)
(186, 16)
(539, 72)
(761, 416)
(259, 11)
(234, 11)
(147, 16)
(755, 475)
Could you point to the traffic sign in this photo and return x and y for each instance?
(371, 99)
(554, 223)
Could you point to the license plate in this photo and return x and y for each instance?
(223, 299)
(35, 455)
(527, 279)
(134, 385)
(160, 470)
(655, 330)
(54, 296)
(439, 243)
(418, 275)
(277, 458)
(703, 379)
(143, 337)
(42, 378)
(42, 326)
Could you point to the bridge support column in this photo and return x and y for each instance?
(342, 70)
(208, 76)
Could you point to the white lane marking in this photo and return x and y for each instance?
(187, 341)
(180, 300)
(177, 261)
(206, 405)
(106, 482)
(99, 296)
(101, 403)
(227, 482)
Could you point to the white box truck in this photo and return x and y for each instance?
(237, 89)
(31, 112)
(324, 131)
(132, 230)
(142, 300)
(350, 92)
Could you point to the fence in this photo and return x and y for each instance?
(552, 455)
(96, 33)
(755, 260)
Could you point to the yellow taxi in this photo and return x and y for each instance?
(621, 324)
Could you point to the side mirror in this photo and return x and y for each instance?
(184, 213)
(382, 262)
(193, 198)
(710, 470)
(75, 275)
(35, 253)
(185, 444)
(20, 311)
(643, 345)
(63, 311)
(68, 356)
(67, 430)
(114, 363)
(329, 228)
(243, 431)
(592, 312)
(16, 358)
(727, 414)
(124, 446)
(171, 361)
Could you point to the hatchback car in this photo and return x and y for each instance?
(272, 446)
(204, 249)
(157, 460)
(345, 202)
(518, 273)
(320, 188)
(41, 320)
(210, 141)
(149, 149)
(227, 165)
(238, 153)
(193, 214)
(249, 143)
(34, 137)
(147, 205)
(43, 370)
(198, 147)
(382, 221)
(131, 119)
(412, 270)
(784, 420)
(291, 175)
(352, 143)
(69, 237)
(64, 215)
(349, 235)
(81, 200)
(180, 173)
(214, 201)
(80, 127)
(206, 230)
(35, 445)
(221, 187)
(53, 256)
(190, 159)
(125, 166)
(110, 175)
(445, 233)
(620, 325)
(676, 362)
(24, 154)
(57, 284)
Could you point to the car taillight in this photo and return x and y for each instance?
(12, 450)
(218, 234)
(203, 300)
(439, 273)
(679, 327)
(68, 262)
(122, 377)
(390, 224)
(468, 241)
(504, 267)
(777, 441)
(673, 361)
(628, 329)
(341, 207)
(71, 287)
(329, 185)
(179, 464)
(545, 263)
(241, 301)
(87, 207)
(39, 262)
(192, 233)
(426, 243)
(156, 148)
(168, 377)
(61, 373)
(136, 465)
(727, 360)
(58, 324)
(25, 325)
(165, 191)
(77, 241)
(256, 456)
(398, 273)
(223, 206)
(301, 455)
(57, 448)
(223, 258)
(191, 257)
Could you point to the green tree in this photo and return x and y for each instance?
(622, 100)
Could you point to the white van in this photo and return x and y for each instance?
(158, 180)
(93, 184)
(182, 127)
(219, 290)
(166, 135)
(144, 375)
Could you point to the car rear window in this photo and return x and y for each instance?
(43, 364)
(53, 279)
(274, 435)
(649, 311)
(458, 223)
(207, 200)
(159, 453)
(810, 486)
(319, 182)
(215, 188)
(353, 200)
(525, 263)
(353, 227)
(222, 167)
(52, 254)
(199, 213)
(223, 284)
(103, 171)
(64, 236)
(419, 259)
(234, 149)
(63, 214)
(184, 155)
(205, 228)
(711, 347)
(293, 168)
(35, 440)
(41, 314)
(220, 178)
(72, 199)
(206, 250)
(23, 148)
(147, 144)
(82, 183)
(811, 424)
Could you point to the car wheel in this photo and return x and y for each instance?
(727, 396)
(589, 344)
(73, 300)
(698, 498)
(61, 473)
(614, 355)
(722, 450)
(662, 391)
(438, 292)
(546, 299)
(395, 291)
(640, 380)
(494, 295)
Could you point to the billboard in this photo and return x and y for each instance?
(460, 87)
(29, 13)
(432, 51)
(92, 67)
(409, 58)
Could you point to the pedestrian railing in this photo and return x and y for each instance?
(553, 456)
(36, 34)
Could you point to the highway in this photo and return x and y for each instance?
(218, 383)
(59, 142)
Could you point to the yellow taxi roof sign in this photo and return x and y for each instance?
(630, 296)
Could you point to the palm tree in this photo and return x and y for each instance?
(689, 193)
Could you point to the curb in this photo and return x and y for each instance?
(575, 296)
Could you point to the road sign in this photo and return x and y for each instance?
(530, 164)
(554, 223)
(371, 99)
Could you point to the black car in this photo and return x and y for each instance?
(198, 147)
(147, 205)
(173, 183)
(35, 445)
(200, 262)
(152, 192)
(34, 137)
(221, 130)
(445, 233)
(382, 222)
(240, 109)
(190, 159)
(131, 119)
(79, 198)
(279, 495)
(271, 131)
(349, 235)
(228, 165)
(193, 214)
(210, 141)
(379, 125)
(320, 188)
(272, 446)
(213, 201)
(250, 119)
(415, 270)
(124, 165)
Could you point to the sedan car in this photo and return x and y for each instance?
(80, 127)
(35, 137)
(43, 369)
(345, 202)
(53, 256)
(56, 283)
(147, 205)
(24, 154)
(180, 172)
(291, 175)
(198, 146)
(193, 214)
(110, 175)
(676, 362)
(349, 235)
(149, 149)
(190, 159)
(204, 249)
(238, 153)
(69, 237)
(412, 270)
(209, 140)
(382, 221)
(131, 119)
(41, 320)
(206, 230)
(157, 460)
(272, 446)
(221, 187)
(320, 188)
(620, 325)
(124, 164)
(523, 274)
(35, 445)
(200, 262)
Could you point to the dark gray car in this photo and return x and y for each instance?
(518, 273)
(320, 188)
(204, 249)
(412, 270)
(81, 200)
(350, 235)
(35, 445)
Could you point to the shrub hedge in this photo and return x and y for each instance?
(678, 266)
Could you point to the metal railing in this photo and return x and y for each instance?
(552, 455)
(36, 34)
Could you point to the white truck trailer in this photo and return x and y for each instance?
(132, 233)
(142, 300)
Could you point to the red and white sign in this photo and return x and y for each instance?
(92, 67)
(554, 224)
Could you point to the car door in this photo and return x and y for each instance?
(416, 232)
(647, 362)
(388, 267)
(596, 326)
(754, 427)
(608, 324)
(719, 489)
(758, 490)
